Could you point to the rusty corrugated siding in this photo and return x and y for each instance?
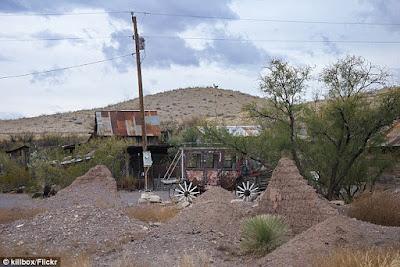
(126, 123)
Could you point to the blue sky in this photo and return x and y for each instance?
(175, 62)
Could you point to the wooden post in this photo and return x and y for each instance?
(141, 100)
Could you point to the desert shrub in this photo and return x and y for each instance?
(12, 174)
(110, 152)
(263, 233)
(373, 257)
(381, 208)
(152, 213)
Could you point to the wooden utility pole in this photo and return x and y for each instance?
(142, 112)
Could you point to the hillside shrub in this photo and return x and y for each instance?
(381, 208)
(262, 234)
(110, 152)
(12, 174)
(373, 257)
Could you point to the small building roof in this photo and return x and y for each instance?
(17, 148)
(126, 123)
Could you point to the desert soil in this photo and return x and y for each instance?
(89, 218)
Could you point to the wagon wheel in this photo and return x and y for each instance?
(247, 191)
(186, 192)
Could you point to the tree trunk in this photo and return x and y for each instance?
(294, 145)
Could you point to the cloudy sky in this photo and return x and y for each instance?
(186, 45)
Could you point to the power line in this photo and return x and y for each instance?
(269, 20)
(65, 68)
(194, 16)
(272, 40)
(62, 38)
(203, 38)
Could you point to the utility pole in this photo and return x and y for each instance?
(142, 112)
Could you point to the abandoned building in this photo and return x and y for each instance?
(20, 154)
(128, 124)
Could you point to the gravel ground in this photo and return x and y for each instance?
(16, 201)
(86, 217)
(208, 232)
(319, 240)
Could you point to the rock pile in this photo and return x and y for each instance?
(97, 188)
(321, 239)
(209, 227)
(85, 217)
(289, 195)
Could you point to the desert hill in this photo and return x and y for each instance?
(173, 106)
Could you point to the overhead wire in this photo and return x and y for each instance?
(194, 16)
(65, 68)
(197, 38)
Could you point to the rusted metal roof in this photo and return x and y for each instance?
(127, 123)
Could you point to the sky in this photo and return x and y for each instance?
(195, 45)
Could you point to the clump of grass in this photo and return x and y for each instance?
(152, 213)
(263, 233)
(373, 257)
(10, 215)
(381, 208)
(199, 260)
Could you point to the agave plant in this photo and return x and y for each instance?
(263, 233)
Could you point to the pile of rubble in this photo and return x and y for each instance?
(321, 239)
(97, 188)
(209, 227)
(289, 195)
(76, 230)
(85, 217)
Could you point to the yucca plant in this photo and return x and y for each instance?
(263, 233)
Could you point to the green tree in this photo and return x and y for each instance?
(351, 121)
(284, 86)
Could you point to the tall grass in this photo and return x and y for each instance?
(262, 234)
(373, 257)
(381, 208)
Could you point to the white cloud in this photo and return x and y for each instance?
(178, 66)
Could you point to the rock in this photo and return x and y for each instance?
(237, 200)
(150, 197)
(337, 202)
(183, 204)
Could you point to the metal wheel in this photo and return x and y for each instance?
(247, 191)
(186, 192)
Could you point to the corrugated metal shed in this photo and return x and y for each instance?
(127, 123)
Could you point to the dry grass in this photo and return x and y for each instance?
(381, 208)
(199, 260)
(10, 215)
(152, 212)
(374, 257)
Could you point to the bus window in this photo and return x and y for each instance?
(194, 161)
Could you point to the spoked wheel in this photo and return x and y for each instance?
(247, 191)
(186, 192)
